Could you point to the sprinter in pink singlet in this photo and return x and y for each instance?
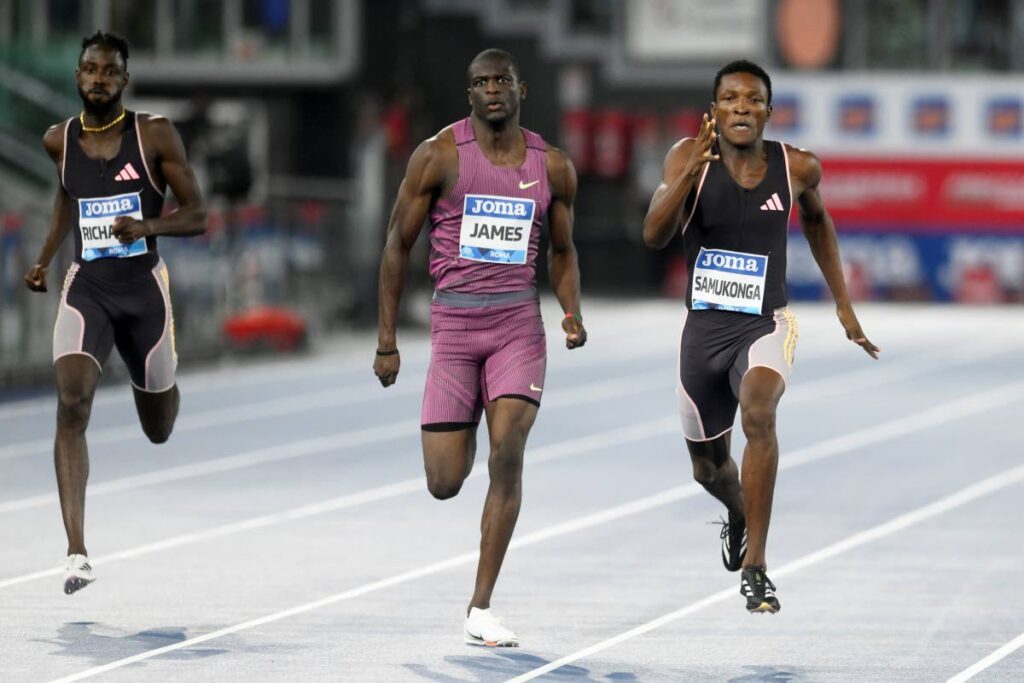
(486, 185)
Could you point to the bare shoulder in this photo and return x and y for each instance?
(434, 161)
(681, 149)
(561, 173)
(558, 161)
(53, 140)
(154, 125)
(438, 150)
(804, 165)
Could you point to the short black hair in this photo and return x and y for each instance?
(111, 40)
(742, 66)
(495, 53)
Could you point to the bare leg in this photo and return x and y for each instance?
(77, 376)
(448, 460)
(508, 424)
(760, 392)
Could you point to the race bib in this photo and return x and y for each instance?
(96, 221)
(496, 229)
(729, 281)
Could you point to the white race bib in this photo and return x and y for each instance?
(729, 281)
(496, 229)
(96, 222)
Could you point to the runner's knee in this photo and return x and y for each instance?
(705, 472)
(506, 461)
(758, 422)
(443, 485)
(73, 409)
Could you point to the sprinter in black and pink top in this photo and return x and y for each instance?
(732, 194)
(114, 167)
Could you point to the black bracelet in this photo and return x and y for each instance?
(392, 352)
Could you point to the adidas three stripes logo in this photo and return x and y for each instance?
(773, 203)
(128, 173)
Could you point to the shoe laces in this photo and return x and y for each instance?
(761, 577)
(725, 527)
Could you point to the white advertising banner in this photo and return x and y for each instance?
(695, 29)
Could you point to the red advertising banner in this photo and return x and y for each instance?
(925, 195)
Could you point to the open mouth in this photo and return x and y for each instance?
(742, 126)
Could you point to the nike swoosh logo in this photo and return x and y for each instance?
(527, 186)
(535, 388)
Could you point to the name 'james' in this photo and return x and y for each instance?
(508, 233)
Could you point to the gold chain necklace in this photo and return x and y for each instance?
(100, 129)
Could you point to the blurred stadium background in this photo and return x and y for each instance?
(299, 115)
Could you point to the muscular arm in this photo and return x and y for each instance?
(820, 232)
(60, 223)
(430, 166)
(563, 267)
(189, 218)
(684, 164)
(817, 224)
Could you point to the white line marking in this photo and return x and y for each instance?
(959, 408)
(587, 393)
(555, 451)
(976, 668)
(611, 388)
(980, 489)
(359, 392)
(957, 499)
(415, 353)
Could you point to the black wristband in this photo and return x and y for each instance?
(392, 352)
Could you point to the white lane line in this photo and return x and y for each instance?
(275, 407)
(980, 402)
(358, 392)
(966, 495)
(226, 378)
(979, 666)
(555, 451)
(950, 502)
(853, 380)
(415, 354)
(592, 392)
(363, 391)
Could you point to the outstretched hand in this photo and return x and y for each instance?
(575, 333)
(854, 333)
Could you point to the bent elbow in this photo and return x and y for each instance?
(652, 240)
(202, 221)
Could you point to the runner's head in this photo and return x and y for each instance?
(102, 72)
(741, 102)
(494, 87)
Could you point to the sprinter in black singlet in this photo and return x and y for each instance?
(732, 193)
(114, 167)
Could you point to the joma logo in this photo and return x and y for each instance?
(498, 207)
(728, 261)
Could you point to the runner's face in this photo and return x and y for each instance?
(101, 76)
(494, 90)
(741, 108)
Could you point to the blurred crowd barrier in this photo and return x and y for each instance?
(264, 276)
